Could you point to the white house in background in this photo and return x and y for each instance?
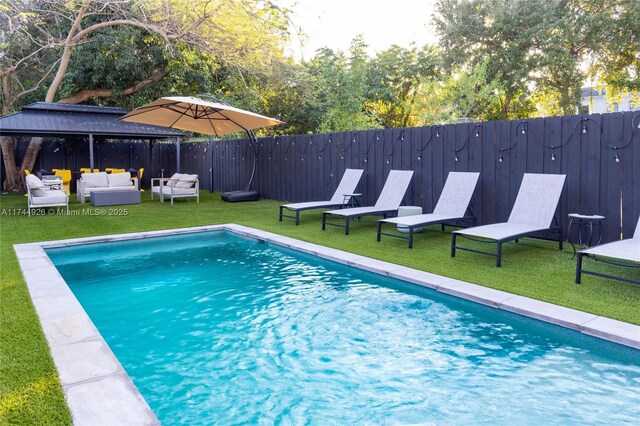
(595, 102)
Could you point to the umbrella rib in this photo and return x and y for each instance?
(233, 121)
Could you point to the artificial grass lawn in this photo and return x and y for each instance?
(30, 392)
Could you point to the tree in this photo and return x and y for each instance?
(397, 78)
(147, 41)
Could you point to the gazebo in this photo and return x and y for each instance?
(46, 119)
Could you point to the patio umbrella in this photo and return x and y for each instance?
(198, 115)
(203, 116)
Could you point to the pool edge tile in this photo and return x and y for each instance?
(555, 314)
(613, 330)
(476, 293)
(108, 400)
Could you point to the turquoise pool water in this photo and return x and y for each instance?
(219, 329)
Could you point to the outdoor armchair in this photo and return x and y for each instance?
(451, 207)
(532, 215)
(624, 250)
(39, 196)
(177, 186)
(388, 202)
(341, 196)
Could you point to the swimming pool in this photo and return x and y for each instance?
(217, 328)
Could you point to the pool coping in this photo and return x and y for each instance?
(99, 391)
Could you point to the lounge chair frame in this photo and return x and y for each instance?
(383, 207)
(469, 218)
(557, 230)
(451, 209)
(622, 260)
(338, 200)
(539, 190)
(580, 270)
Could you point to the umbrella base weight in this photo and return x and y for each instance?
(237, 196)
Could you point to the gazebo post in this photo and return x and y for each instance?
(178, 139)
(91, 152)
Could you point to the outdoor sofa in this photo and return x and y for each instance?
(103, 181)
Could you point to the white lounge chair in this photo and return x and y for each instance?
(532, 214)
(452, 206)
(388, 202)
(177, 186)
(625, 250)
(39, 196)
(341, 196)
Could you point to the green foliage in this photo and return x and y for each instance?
(535, 49)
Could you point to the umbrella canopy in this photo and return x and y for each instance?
(198, 115)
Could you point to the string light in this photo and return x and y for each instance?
(455, 158)
(477, 133)
(553, 156)
(437, 134)
(584, 127)
(615, 151)
(419, 157)
(500, 159)
(523, 132)
(366, 160)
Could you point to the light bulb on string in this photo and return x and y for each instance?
(366, 160)
(584, 128)
(388, 160)
(437, 134)
(553, 156)
(477, 134)
(377, 137)
(523, 132)
(455, 158)
(419, 157)
(500, 159)
(616, 158)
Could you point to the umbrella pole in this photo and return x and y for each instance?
(252, 143)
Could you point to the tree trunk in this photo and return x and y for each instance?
(12, 180)
(30, 157)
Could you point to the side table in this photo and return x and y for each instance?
(585, 224)
(351, 200)
(408, 211)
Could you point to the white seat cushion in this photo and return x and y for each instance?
(119, 179)
(176, 191)
(36, 187)
(174, 179)
(95, 180)
(186, 181)
(51, 197)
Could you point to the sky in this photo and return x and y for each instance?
(334, 23)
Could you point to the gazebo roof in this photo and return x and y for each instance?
(55, 119)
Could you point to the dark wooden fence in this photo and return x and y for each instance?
(600, 154)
